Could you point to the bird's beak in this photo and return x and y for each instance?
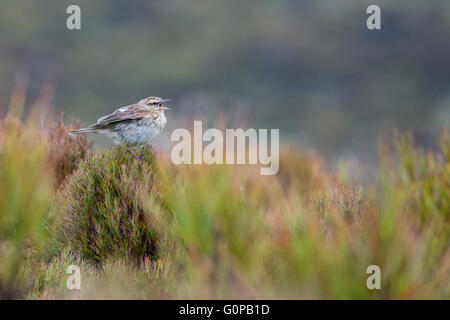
(163, 101)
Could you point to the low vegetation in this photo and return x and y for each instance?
(143, 228)
(104, 199)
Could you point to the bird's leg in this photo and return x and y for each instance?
(133, 153)
(141, 151)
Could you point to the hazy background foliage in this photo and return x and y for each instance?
(310, 68)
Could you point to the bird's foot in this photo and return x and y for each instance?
(136, 156)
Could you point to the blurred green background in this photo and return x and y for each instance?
(310, 68)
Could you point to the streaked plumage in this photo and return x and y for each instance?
(132, 125)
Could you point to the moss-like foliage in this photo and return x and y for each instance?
(102, 207)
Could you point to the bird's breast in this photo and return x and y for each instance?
(137, 132)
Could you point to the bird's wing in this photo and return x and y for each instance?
(131, 112)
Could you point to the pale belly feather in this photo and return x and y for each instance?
(135, 133)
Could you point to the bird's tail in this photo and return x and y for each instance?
(82, 131)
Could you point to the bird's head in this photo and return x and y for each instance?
(155, 102)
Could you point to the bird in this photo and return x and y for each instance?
(132, 125)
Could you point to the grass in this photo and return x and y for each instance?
(147, 229)
(25, 198)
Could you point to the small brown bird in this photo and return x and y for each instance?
(133, 125)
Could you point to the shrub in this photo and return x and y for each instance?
(426, 176)
(25, 195)
(237, 235)
(66, 151)
(102, 207)
(303, 171)
(140, 229)
(217, 235)
(48, 279)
